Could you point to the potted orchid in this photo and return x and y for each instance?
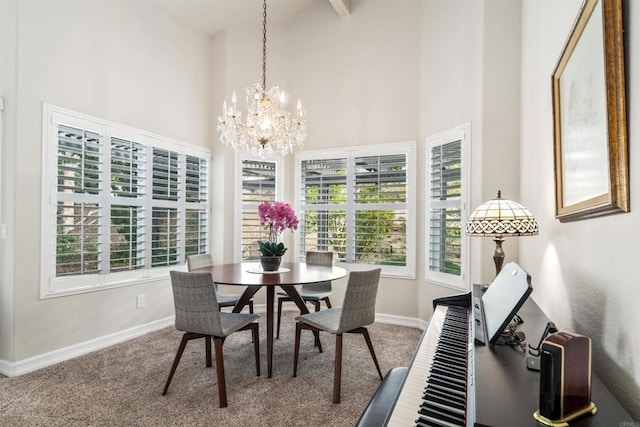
(277, 216)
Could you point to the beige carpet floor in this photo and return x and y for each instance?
(121, 385)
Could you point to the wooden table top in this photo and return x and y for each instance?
(290, 273)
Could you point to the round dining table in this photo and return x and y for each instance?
(251, 275)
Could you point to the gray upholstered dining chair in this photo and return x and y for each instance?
(198, 316)
(224, 299)
(358, 310)
(314, 293)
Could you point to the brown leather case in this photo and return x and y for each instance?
(565, 379)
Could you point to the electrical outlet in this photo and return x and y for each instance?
(140, 301)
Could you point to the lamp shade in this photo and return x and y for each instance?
(501, 218)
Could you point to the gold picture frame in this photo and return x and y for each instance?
(589, 116)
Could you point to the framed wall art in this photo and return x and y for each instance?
(589, 116)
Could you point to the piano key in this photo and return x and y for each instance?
(443, 400)
(441, 415)
(438, 406)
(448, 374)
(425, 422)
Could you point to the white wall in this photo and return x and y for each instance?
(469, 72)
(8, 14)
(585, 273)
(126, 62)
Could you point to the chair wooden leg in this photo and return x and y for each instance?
(326, 300)
(256, 346)
(183, 343)
(316, 334)
(222, 388)
(207, 349)
(296, 350)
(365, 332)
(253, 339)
(337, 376)
(279, 316)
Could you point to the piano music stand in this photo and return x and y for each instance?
(500, 303)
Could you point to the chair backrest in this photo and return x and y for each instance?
(359, 305)
(319, 258)
(251, 251)
(199, 261)
(195, 303)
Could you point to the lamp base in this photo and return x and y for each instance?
(498, 254)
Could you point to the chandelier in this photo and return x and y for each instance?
(269, 128)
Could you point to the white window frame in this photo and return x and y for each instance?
(240, 157)
(53, 286)
(460, 133)
(409, 149)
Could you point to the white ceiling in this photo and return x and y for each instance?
(210, 16)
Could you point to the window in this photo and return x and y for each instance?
(119, 203)
(259, 182)
(447, 198)
(359, 203)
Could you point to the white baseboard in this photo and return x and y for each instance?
(14, 369)
(410, 322)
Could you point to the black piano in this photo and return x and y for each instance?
(492, 387)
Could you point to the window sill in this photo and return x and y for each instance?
(115, 282)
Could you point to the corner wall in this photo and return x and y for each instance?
(126, 62)
(585, 273)
(8, 19)
(469, 72)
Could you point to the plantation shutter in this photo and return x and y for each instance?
(78, 212)
(165, 237)
(380, 194)
(258, 185)
(127, 219)
(323, 204)
(128, 168)
(445, 203)
(358, 203)
(117, 203)
(127, 238)
(166, 172)
(197, 188)
(196, 178)
(195, 232)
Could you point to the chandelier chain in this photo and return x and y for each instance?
(264, 45)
